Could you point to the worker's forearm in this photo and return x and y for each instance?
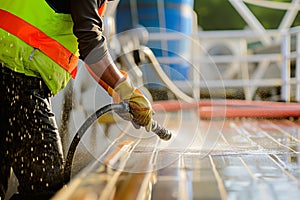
(106, 70)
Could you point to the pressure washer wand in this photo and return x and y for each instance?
(156, 128)
(162, 132)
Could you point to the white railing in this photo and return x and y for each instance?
(246, 68)
(290, 55)
(248, 79)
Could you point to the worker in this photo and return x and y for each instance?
(39, 41)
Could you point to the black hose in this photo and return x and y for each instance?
(121, 107)
(81, 131)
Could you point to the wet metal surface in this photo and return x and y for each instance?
(218, 159)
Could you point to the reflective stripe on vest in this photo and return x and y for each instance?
(102, 9)
(37, 39)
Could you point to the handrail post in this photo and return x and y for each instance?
(297, 67)
(286, 67)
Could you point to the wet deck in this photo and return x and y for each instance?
(240, 158)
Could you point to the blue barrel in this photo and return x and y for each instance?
(177, 16)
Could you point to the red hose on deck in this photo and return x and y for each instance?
(233, 108)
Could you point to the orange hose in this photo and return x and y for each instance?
(233, 108)
(258, 112)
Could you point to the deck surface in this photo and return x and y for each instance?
(242, 158)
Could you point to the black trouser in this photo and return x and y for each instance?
(29, 139)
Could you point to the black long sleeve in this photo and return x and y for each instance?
(88, 26)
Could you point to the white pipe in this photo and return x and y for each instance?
(164, 78)
(272, 4)
(289, 16)
(275, 57)
(251, 20)
(134, 13)
(162, 24)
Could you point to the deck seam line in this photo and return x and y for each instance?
(220, 183)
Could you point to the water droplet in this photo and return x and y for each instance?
(11, 45)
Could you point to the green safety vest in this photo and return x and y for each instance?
(38, 42)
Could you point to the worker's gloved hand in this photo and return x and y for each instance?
(140, 107)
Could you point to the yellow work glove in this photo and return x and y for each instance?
(140, 107)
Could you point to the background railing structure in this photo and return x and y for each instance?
(243, 67)
(243, 60)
